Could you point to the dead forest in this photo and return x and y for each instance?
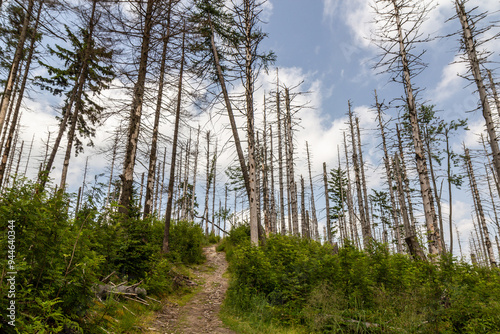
(189, 128)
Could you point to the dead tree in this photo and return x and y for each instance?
(313, 204)
(469, 43)
(388, 173)
(290, 165)
(481, 216)
(154, 140)
(170, 189)
(16, 61)
(365, 224)
(136, 115)
(397, 38)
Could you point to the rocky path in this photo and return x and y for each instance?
(201, 313)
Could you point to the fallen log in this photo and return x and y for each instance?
(103, 290)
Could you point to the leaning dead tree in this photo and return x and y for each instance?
(397, 36)
(471, 42)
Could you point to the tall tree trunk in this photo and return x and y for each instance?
(388, 174)
(207, 190)
(410, 236)
(29, 156)
(450, 193)
(274, 217)
(280, 159)
(156, 124)
(350, 204)
(313, 204)
(195, 171)
(305, 226)
(113, 158)
(469, 45)
(249, 16)
(365, 225)
(481, 217)
(213, 173)
(363, 178)
(5, 99)
(170, 189)
(327, 207)
(427, 142)
(16, 61)
(290, 167)
(222, 82)
(265, 177)
(135, 117)
(434, 240)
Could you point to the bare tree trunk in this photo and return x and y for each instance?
(156, 124)
(327, 206)
(6, 124)
(162, 187)
(135, 117)
(195, 171)
(274, 217)
(142, 191)
(290, 167)
(229, 108)
(481, 217)
(185, 204)
(305, 227)
(497, 223)
(450, 194)
(280, 160)
(170, 189)
(365, 225)
(434, 240)
(434, 187)
(313, 204)
(16, 61)
(213, 173)
(410, 237)
(249, 16)
(207, 191)
(265, 178)
(8, 91)
(350, 204)
(388, 174)
(29, 156)
(459, 243)
(363, 178)
(469, 45)
(113, 158)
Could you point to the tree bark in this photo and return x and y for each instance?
(469, 45)
(327, 206)
(5, 99)
(16, 61)
(135, 115)
(290, 162)
(433, 238)
(313, 204)
(365, 225)
(156, 124)
(481, 217)
(170, 189)
(388, 174)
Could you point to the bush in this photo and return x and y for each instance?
(186, 242)
(293, 281)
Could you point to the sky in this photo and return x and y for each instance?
(327, 45)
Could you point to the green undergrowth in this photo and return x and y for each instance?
(299, 285)
(60, 257)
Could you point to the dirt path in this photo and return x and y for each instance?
(200, 314)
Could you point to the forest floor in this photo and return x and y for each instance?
(200, 314)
